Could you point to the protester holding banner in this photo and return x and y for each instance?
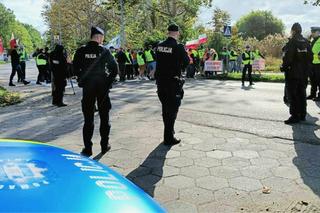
(212, 63)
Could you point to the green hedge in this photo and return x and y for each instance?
(256, 77)
(8, 98)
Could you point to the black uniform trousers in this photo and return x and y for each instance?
(58, 91)
(315, 80)
(96, 89)
(170, 98)
(122, 71)
(42, 73)
(297, 93)
(15, 68)
(129, 71)
(247, 67)
(23, 70)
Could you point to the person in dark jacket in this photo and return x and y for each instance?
(47, 72)
(58, 65)
(90, 63)
(15, 63)
(122, 60)
(171, 60)
(297, 63)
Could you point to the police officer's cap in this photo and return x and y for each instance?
(315, 29)
(96, 30)
(173, 28)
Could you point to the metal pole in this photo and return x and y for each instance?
(60, 31)
(122, 32)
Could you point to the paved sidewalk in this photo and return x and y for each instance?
(222, 164)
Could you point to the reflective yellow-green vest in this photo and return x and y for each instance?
(201, 53)
(140, 60)
(148, 55)
(233, 58)
(128, 57)
(195, 53)
(40, 61)
(316, 52)
(24, 55)
(114, 54)
(257, 54)
(249, 58)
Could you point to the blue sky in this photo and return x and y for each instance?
(290, 11)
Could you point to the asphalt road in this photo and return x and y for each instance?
(257, 110)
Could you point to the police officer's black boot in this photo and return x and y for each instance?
(25, 82)
(293, 120)
(105, 147)
(310, 97)
(86, 152)
(87, 132)
(169, 139)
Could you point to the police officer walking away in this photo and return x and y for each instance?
(315, 76)
(171, 60)
(90, 63)
(58, 64)
(296, 64)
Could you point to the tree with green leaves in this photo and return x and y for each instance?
(35, 35)
(260, 24)
(7, 19)
(313, 2)
(146, 20)
(27, 35)
(220, 19)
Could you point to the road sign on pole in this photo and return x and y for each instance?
(227, 31)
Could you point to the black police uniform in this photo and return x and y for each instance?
(171, 59)
(90, 66)
(58, 65)
(296, 64)
(122, 60)
(15, 63)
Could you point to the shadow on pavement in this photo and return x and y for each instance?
(150, 172)
(308, 153)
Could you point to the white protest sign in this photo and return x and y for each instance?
(213, 66)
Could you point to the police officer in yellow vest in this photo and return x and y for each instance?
(315, 73)
(41, 61)
(23, 58)
(247, 61)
